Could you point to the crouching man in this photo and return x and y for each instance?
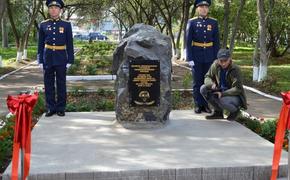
(223, 88)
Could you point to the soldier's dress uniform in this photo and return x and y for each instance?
(55, 51)
(202, 45)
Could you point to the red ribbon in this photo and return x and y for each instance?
(22, 106)
(283, 124)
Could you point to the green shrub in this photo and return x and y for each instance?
(187, 80)
(176, 98)
(100, 48)
(268, 130)
(6, 141)
(91, 69)
(39, 108)
(254, 125)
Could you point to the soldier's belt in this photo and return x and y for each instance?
(55, 47)
(210, 44)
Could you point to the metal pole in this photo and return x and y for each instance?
(22, 164)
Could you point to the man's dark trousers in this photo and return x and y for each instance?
(198, 71)
(50, 74)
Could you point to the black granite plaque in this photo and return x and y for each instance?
(144, 82)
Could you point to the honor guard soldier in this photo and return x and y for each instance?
(55, 55)
(202, 45)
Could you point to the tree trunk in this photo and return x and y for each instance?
(226, 23)
(256, 56)
(256, 62)
(14, 30)
(4, 32)
(181, 28)
(186, 18)
(236, 25)
(120, 32)
(2, 8)
(262, 41)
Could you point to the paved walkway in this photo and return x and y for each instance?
(91, 146)
(31, 77)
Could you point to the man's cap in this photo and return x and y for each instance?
(202, 3)
(58, 3)
(224, 54)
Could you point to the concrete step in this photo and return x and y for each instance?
(92, 146)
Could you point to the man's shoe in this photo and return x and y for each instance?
(206, 109)
(233, 116)
(49, 113)
(197, 109)
(215, 115)
(60, 113)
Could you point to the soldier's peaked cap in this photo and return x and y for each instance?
(58, 3)
(202, 3)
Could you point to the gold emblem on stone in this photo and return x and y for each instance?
(145, 96)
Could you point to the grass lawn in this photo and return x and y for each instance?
(9, 59)
(278, 71)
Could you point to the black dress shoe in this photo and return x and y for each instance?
(215, 115)
(206, 109)
(49, 113)
(60, 113)
(197, 109)
(233, 116)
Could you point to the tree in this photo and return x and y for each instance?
(262, 41)
(260, 58)
(185, 9)
(278, 27)
(3, 23)
(4, 32)
(2, 8)
(21, 38)
(168, 11)
(236, 25)
(226, 23)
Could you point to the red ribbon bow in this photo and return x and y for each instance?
(22, 106)
(283, 123)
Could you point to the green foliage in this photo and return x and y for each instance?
(6, 141)
(253, 125)
(268, 130)
(100, 48)
(187, 80)
(39, 108)
(176, 97)
(74, 67)
(9, 54)
(181, 100)
(93, 59)
(80, 101)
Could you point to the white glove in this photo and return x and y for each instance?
(40, 66)
(191, 63)
(68, 65)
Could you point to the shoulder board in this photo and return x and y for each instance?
(45, 21)
(212, 18)
(193, 18)
(65, 21)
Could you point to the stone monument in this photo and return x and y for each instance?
(142, 64)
